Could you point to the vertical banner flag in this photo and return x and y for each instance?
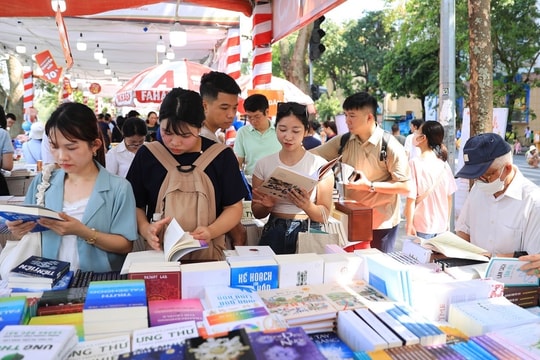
(262, 50)
(64, 42)
(28, 82)
(233, 53)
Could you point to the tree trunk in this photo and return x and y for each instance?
(294, 65)
(15, 100)
(480, 50)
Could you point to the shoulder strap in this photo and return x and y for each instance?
(208, 155)
(343, 141)
(383, 154)
(161, 153)
(421, 198)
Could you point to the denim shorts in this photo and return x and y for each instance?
(281, 234)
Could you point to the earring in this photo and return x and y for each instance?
(94, 154)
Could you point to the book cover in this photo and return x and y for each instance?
(160, 285)
(484, 315)
(331, 346)
(12, 310)
(177, 242)
(114, 294)
(506, 270)
(283, 180)
(300, 304)
(389, 276)
(159, 337)
(342, 268)
(39, 267)
(451, 245)
(163, 312)
(253, 273)
(196, 276)
(102, 349)
(300, 269)
(495, 348)
(341, 296)
(217, 297)
(27, 212)
(234, 345)
(253, 317)
(524, 337)
(291, 343)
(140, 261)
(357, 334)
(37, 341)
(75, 319)
(172, 352)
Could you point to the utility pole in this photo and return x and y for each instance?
(447, 83)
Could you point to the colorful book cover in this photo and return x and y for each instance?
(331, 346)
(163, 312)
(12, 310)
(160, 285)
(253, 273)
(507, 271)
(173, 352)
(291, 343)
(159, 337)
(254, 317)
(113, 294)
(234, 345)
(109, 348)
(75, 319)
(37, 266)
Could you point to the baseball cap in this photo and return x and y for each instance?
(479, 152)
(36, 131)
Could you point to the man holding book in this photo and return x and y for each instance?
(502, 211)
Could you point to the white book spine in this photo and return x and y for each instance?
(380, 327)
(408, 337)
(357, 334)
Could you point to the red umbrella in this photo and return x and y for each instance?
(152, 84)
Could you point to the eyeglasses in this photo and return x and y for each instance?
(295, 108)
(134, 145)
(489, 178)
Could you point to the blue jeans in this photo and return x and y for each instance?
(425, 236)
(281, 234)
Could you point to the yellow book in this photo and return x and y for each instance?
(75, 319)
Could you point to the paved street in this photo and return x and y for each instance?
(528, 172)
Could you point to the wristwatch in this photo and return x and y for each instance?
(371, 187)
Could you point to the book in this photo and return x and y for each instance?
(331, 346)
(160, 285)
(524, 296)
(300, 269)
(101, 349)
(342, 268)
(217, 297)
(380, 327)
(253, 273)
(254, 250)
(484, 315)
(291, 343)
(506, 270)
(358, 335)
(159, 337)
(177, 242)
(496, 349)
(163, 312)
(172, 352)
(36, 270)
(341, 296)
(27, 212)
(37, 341)
(74, 295)
(523, 337)
(75, 319)
(451, 245)
(145, 259)
(12, 310)
(196, 276)
(233, 345)
(389, 276)
(283, 180)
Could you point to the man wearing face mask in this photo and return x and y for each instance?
(502, 211)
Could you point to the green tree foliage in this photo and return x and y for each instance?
(328, 107)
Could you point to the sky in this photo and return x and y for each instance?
(353, 9)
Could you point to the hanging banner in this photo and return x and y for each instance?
(64, 42)
(51, 72)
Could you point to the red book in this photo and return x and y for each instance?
(160, 285)
(60, 309)
(163, 312)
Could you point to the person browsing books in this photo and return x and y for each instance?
(429, 202)
(290, 215)
(382, 165)
(180, 119)
(119, 158)
(502, 211)
(97, 208)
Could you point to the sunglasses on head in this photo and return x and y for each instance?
(295, 108)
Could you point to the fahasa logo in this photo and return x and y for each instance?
(146, 96)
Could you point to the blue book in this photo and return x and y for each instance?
(115, 294)
(253, 273)
(62, 284)
(170, 352)
(291, 343)
(389, 276)
(12, 310)
(331, 346)
(28, 212)
(37, 268)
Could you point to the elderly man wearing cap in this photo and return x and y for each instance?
(502, 211)
(532, 156)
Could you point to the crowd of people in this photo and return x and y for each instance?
(110, 176)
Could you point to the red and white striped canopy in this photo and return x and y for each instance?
(152, 84)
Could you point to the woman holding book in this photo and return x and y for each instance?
(432, 184)
(98, 209)
(289, 215)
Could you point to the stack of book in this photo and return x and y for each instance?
(114, 308)
(163, 312)
(37, 273)
(163, 336)
(110, 348)
(294, 342)
(13, 311)
(162, 279)
(253, 273)
(66, 301)
(37, 341)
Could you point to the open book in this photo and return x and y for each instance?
(451, 245)
(283, 180)
(177, 242)
(27, 212)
